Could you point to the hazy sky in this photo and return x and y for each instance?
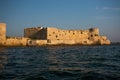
(64, 14)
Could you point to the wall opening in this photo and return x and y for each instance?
(56, 36)
(96, 34)
(48, 41)
(53, 32)
(91, 30)
(81, 32)
(85, 42)
(91, 35)
(49, 34)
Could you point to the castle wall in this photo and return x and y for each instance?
(57, 34)
(53, 36)
(72, 36)
(41, 42)
(43, 34)
(2, 31)
(16, 42)
(35, 33)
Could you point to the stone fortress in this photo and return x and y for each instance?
(53, 36)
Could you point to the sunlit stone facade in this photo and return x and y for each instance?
(58, 36)
(2, 31)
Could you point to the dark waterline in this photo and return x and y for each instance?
(60, 63)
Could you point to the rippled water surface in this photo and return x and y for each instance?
(60, 63)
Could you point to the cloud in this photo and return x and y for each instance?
(108, 8)
(97, 8)
(103, 17)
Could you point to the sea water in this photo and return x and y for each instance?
(60, 63)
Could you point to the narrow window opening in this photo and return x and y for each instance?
(96, 34)
(85, 42)
(49, 34)
(81, 32)
(49, 41)
(56, 36)
(91, 35)
(91, 29)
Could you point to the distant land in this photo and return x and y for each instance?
(115, 43)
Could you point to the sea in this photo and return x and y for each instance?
(60, 63)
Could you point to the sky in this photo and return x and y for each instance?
(63, 14)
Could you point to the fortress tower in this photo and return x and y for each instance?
(2, 32)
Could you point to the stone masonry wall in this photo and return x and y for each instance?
(76, 36)
(58, 36)
(2, 31)
(35, 33)
(16, 42)
(53, 36)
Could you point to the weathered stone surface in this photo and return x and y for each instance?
(2, 31)
(58, 36)
(15, 42)
(35, 33)
(53, 36)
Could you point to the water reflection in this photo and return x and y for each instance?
(61, 59)
(51, 58)
(3, 58)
